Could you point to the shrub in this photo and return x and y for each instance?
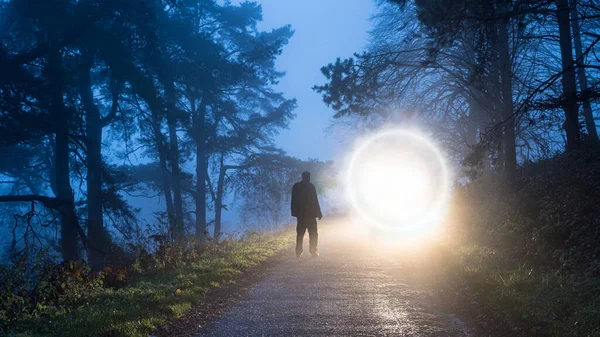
(114, 277)
(527, 253)
(34, 284)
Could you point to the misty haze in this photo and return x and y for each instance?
(299, 168)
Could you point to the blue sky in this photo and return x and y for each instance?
(324, 30)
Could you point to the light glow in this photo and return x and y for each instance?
(397, 180)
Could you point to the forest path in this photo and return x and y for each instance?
(351, 290)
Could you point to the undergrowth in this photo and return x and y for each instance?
(129, 301)
(523, 259)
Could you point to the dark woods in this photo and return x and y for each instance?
(500, 83)
(102, 101)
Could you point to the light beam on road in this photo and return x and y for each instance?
(398, 181)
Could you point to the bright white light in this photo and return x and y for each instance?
(398, 180)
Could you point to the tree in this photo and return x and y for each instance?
(234, 109)
(480, 75)
(88, 83)
(582, 76)
(569, 83)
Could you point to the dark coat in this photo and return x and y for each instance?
(304, 201)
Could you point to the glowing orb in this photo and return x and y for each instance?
(398, 180)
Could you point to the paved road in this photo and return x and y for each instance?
(352, 290)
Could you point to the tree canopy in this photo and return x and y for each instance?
(102, 100)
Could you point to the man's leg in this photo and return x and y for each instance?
(300, 230)
(313, 234)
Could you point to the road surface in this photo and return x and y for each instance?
(352, 290)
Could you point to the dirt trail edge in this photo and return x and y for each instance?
(217, 301)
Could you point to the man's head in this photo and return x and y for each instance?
(306, 176)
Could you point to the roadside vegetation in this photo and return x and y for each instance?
(41, 298)
(523, 259)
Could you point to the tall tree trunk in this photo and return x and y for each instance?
(144, 87)
(569, 83)
(471, 96)
(162, 159)
(501, 157)
(484, 125)
(174, 158)
(62, 170)
(472, 123)
(508, 139)
(495, 113)
(201, 168)
(93, 125)
(590, 123)
(219, 199)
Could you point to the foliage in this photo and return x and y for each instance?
(524, 257)
(506, 299)
(71, 301)
(35, 285)
(496, 77)
(175, 81)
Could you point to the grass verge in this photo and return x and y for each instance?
(152, 301)
(503, 297)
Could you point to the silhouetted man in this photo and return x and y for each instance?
(305, 207)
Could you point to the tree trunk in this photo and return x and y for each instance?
(93, 125)
(62, 171)
(508, 139)
(471, 96)
(484, 125)
(201, 168)
(124, 63)
(162, 158)
(495, 113)
(174, 158)
(590, 123)
(472, 123)
(501, 154)
(219, 199)
(569, 83)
